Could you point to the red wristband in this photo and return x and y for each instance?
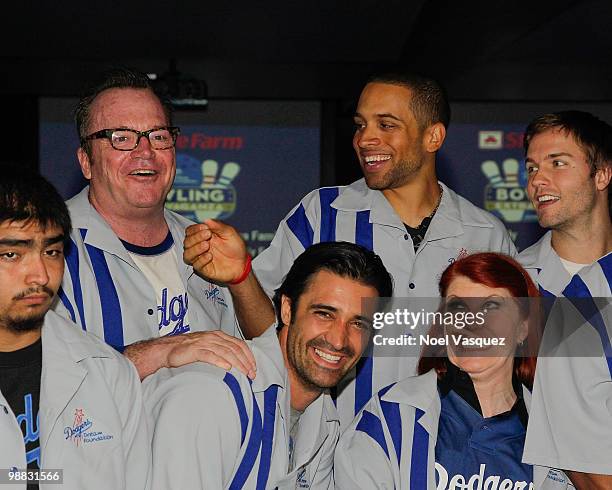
(245, 272)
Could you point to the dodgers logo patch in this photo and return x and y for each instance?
(213, 294)
(460, 255)
(302, 479)
(81, 430)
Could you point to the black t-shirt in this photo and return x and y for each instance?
(20, 384)
(418, 233)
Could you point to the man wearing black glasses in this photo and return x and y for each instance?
(125, 280)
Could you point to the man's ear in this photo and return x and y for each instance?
(84, 162)
(602, 177)
(285, 310)
(433, 137)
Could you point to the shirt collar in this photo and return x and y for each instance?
(448, 221)
(271, 368)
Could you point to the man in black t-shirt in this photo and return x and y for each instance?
(67, 400)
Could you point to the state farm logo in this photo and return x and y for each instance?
(490, 140)
(496, 140)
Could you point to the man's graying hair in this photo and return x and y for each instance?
(112, 78)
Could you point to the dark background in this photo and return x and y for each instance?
(495, 51)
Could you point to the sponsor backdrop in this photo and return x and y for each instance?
(250, 162)
(487, 167)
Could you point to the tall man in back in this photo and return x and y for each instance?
(569, 167)
(415, 223)
(124, 269)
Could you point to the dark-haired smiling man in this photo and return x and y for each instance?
(219, 430)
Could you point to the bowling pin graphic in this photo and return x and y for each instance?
(511, 169)
(491, 170)
(228, 173)
(209, 172)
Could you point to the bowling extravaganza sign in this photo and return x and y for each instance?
(485, 164)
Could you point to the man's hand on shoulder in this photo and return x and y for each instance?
(214, 347)
(216, 251)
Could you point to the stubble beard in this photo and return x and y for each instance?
(566, 220)
(297, 356)
(397, 176)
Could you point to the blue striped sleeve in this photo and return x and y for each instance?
(234, 387)
(267, 436)
(252, 450)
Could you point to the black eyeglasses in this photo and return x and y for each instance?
(124, 139)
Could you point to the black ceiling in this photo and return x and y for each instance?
(497, 49)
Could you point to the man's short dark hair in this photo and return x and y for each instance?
(27, 196)
(342, 258)
(113, 78)
(429, 102)
(592, 135)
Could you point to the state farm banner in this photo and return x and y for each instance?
(485, 164)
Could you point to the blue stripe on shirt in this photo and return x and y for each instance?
(328, 214)
(300, 226)
(363, 379)
(580, 296)
(420, 454)
(67, 304)
(606, 266)
(71, 256)
(267, 438)
(251, 452)
(393, 420)
(371, 425)
(234, 387)
(109, 299)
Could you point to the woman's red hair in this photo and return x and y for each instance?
(494, 270)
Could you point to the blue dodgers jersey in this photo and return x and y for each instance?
(474, 452)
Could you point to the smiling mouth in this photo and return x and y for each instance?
(548, 198)
(328, 357)
(143, 173)
(374, 159)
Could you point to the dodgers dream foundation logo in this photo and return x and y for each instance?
(203, 190)
(81, 431)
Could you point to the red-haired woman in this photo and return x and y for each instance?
(461, 423)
